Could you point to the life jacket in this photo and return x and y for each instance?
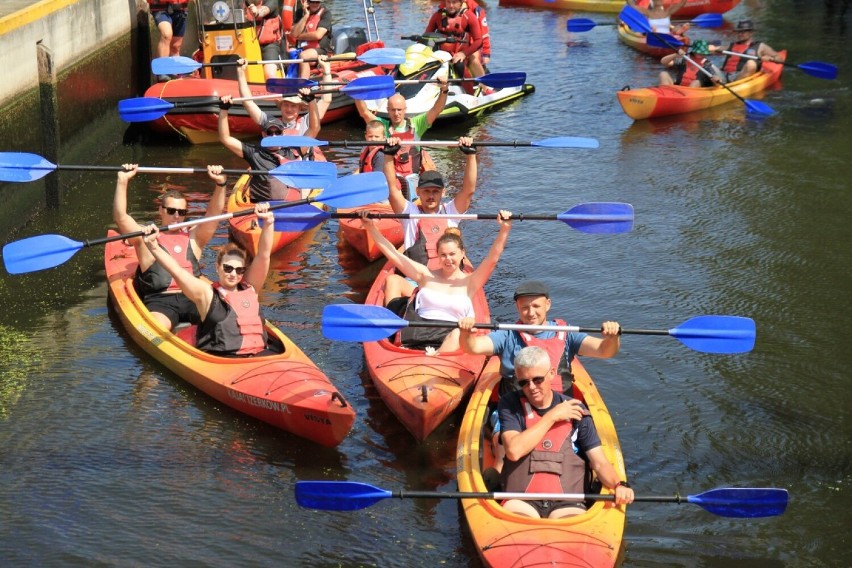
(455, 27)
(553, 466)
(269, 29)
(242, 331)
(365, 160)
(734, 63)
(555, 347)
(156, 279)
(479, 12)
(311, 26)
(425, 248)
(687, 73)
(407, 160)
(288, 8)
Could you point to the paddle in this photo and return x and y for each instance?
(24, 167)
(292, 85)
(636, 20)
(143, 109)
(180, 65)
(707, 334)
(707, 20)
(307, 141)
(736, 502)
(587, 217)
(817, 69)
(363, 88)
(46, 251)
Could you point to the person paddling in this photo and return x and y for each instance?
(159, 291)
(736, 67)
(231, 324)
(685, 73)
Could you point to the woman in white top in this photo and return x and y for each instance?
(445, 293)
(660, 15)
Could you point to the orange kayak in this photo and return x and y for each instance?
(354, 233)
(639, 42)
(652, 102)
(691, 9)
(421, 390)
(287, 391)
(245, 230)
(505, 539)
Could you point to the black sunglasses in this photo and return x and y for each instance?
(536, 380)
(239, 269)
(173, 210)
(274, 132)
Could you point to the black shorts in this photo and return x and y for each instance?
(544, 508)
(177, 307)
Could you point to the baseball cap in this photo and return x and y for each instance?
(532, 288)
(431, 178)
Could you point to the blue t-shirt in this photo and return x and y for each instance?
(507, 344)
(584, 436)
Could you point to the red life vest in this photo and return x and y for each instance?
(552, 467)
(425, 248)
(242, 331)
(365, 160)
(456, 27)
(555, 347)
(734, 63)
(311, 26)
(268, 29)
(687, 73)
(407, 160)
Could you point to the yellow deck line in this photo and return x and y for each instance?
(32, 13)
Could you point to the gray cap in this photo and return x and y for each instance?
(532, 288)
(431, 178)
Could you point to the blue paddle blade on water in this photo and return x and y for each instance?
(299, 218)
(580, 24)
(143, 109)
(38, 253)
(743, 503)
(174, 65)
(23, 166)
(359, 322)
(717, 334)
(504, 80)
(567, 142)
(334, 496)
(599, 217)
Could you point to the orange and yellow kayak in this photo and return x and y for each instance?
(286, 390)
(652, 102)
(639, 42)
(421, 390)
(354, 233)
(691, 9)
(505, 539)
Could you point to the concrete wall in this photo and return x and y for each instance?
(72, 29)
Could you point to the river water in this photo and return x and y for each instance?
(108, 459)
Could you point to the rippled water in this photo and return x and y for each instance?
(106, 458)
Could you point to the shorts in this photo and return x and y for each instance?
(177, 307)
(177, 18)
(544, 508)
(271, 51)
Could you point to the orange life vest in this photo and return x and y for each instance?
(734, 63)
(268, 29)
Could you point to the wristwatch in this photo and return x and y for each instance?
(623, 484)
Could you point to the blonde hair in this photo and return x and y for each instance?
(451, 235)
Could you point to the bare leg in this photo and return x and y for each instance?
(396, 286)
(521, 508)
(305, 68)
(451, 342)
(666, 78)
(162, 320)
(566, 512)
(164, 45)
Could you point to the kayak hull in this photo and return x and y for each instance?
(504, 539)
(658, 101)
(286, 390)
(691, 9)
(355, 234)
(639, 42)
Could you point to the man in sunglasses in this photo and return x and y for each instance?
(550, 440)
(158, 290)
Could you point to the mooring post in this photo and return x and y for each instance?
(47, 89)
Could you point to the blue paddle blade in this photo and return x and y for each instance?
(371, 82)
(819, 69)
(306, 175)
(287, 85)
(634, 19)
(280, 141)
(38, 253)
(580, 24)
(758, 109)
(708, 20)
(566, 142)
(665, 41)
(717, 334)
(23, 166)
(368, 93)
(299, 218)
(356, 190)
(143, 109)
(599, 217)
(174, 65)
(383, 56)
(503, 80)
(743, 503)
(357, 322)
(338, 496)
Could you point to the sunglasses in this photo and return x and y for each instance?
(274, 132)
(535, 380)
(175, 210)
(239, 269)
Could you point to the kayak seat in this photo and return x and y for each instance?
(187, 333)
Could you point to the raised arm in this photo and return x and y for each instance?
(433, 113)
(320, 107)
(259, 267)
(675, 7)
(250, 106)
(483, 272)
(397, 200)
(126, 223)
(366, 114)
(198, 291)
(231, 143)
(465, 196)
(411, 268)
(201, 234)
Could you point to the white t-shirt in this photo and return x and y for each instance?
(410, 225)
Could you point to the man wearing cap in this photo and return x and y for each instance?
(736, 67)
(311, 33)
(688, 74)
(532, 300)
